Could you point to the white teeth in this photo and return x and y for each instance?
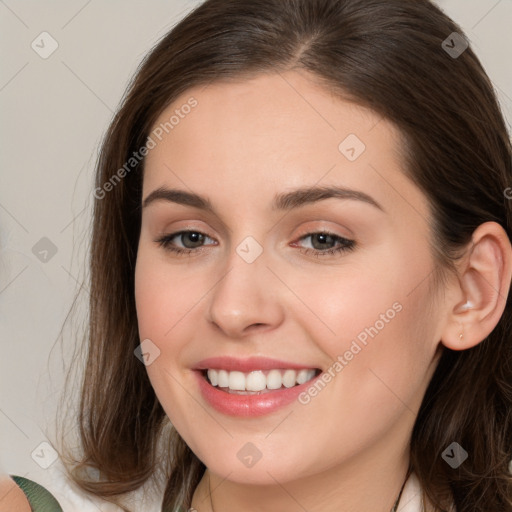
(289, 378)
(237, 381)
(222, 378)
(259, 380)
(303, 376)
(274, 379)
(214, 377)
(255, 381)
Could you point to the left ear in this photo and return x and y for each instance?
(484, 283)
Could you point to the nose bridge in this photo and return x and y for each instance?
(244, 295)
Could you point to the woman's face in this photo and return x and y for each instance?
(308, 258)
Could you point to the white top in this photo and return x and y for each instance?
(410, 501)
(73, 499)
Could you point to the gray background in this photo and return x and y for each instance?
(54, 112)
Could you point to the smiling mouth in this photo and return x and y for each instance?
(259, 381)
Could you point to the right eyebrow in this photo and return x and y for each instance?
(179, 196)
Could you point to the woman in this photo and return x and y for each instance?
(300, 267)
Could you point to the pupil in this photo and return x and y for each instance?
(195, 237)
(323, 238)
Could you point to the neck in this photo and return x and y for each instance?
(362, 486)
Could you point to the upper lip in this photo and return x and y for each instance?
(247, 365)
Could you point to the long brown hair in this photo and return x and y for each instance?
(387, 55)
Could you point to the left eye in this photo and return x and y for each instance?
(322, 243)
(320, 240)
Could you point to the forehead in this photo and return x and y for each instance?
(248, 138)
(290, 105)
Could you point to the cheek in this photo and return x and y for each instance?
(163, 297)
(169, 303)
(373, 321)
(162, 303)
(381, 350)
(379, 302)
(159, 310)
(361, 304)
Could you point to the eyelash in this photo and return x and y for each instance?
(346, 244)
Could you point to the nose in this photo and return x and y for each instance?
(247, 298)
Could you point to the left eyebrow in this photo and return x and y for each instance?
(303, 196)
(285, 201)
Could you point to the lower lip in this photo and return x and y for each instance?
(249, 405)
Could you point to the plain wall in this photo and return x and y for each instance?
(54, 112)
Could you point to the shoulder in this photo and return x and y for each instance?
(39, 499)
(11, 496)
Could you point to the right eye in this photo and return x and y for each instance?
(190, 240)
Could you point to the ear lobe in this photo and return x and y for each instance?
(484, 283)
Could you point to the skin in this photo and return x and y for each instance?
(11, 496)
(245, 142)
